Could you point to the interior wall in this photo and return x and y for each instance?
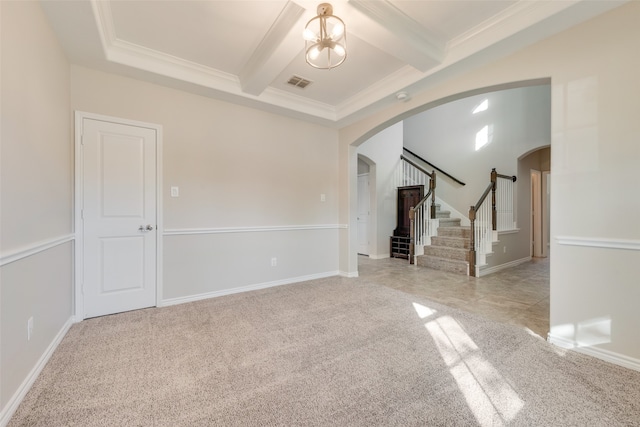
(385, 149)
(240, 172)
(36, 175)
(515, 121)
(593, 154)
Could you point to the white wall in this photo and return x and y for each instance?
(250, 186)
(594, 157)
(36, 242)
(385, 149)
(518, 121)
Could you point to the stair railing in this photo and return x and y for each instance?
(421, 227)
(484, 218)
(410, 173)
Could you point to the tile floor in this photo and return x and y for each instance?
(517, 295)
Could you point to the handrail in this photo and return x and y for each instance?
(415, 165)
(475, 208)
(512, 178)
(412, 230)
(484, 196)
(434, 166)
(424, 199)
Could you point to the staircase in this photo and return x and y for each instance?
(449, 250)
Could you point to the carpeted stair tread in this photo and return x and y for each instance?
(451, 242)
(444, 264)
(459, 254)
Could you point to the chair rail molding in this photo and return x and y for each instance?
(599, 242)
(34, 248)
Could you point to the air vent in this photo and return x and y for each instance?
(298, 81)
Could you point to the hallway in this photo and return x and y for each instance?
(517, 295)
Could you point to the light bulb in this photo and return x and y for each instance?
(337, 31)
(314, 53)
(309, 35)
(339, 49)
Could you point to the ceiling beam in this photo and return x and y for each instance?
(276, 50)
(399, 35)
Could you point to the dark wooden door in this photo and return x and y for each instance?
(407, 197)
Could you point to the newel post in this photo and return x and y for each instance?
(432, 187)
(494, 214)
(412, 234)
(472, 242)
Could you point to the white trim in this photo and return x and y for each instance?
(79, 203)
(221, 230)
(348, 274)
(207, 295)
(510, 231)
(495, 268)
(379, 256)
(34, 248)
(600, 353)
(21, 392)
(598, 242)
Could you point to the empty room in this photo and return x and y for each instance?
(287, 212)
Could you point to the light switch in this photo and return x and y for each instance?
(175, 192)
(323, 198)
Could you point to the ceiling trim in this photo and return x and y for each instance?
(156, 62)
(275, 49)
(507, 22)
(425, 48)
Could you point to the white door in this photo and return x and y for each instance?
(363, 214)
(118, 217)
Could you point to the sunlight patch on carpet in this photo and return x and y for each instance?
(491, 399)
(423, 311)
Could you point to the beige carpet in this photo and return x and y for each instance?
(336, 352)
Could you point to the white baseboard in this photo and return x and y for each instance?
(495, 268)
(600, 353)
(348, 274)
(13, 403)
(207, 295)
(380, 256)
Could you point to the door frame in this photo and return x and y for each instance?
(369, 214)
(78, 306)
(535, 214)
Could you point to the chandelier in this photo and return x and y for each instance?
(325, 39)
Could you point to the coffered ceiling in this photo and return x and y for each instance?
(245, 51)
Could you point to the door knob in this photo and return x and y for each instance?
(149, 227)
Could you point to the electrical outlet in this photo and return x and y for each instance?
(29, 328)
(504, 249)
(175, 192)
(323, 197)
(274, 262)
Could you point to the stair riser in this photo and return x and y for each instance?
(445, 252)
(449, 222)
(454, 232)
(450, 242)
(443, 264)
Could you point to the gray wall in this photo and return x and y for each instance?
(36, 245)
(250, 187)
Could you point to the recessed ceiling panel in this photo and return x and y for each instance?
(338, 84)
(218, 34)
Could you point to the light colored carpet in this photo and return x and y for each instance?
(335, 351)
